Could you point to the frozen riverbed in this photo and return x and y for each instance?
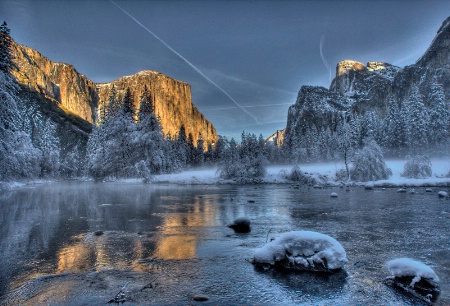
(82, 243)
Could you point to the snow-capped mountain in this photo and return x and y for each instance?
(402, 108)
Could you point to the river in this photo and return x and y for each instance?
(83, 242)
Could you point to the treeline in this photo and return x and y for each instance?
(130, 143)
(419, 125)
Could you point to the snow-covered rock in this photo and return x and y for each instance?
(333, 195)
(414, 277)
(303, 250)
(241, 225)
(443, 194)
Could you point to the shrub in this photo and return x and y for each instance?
(417, 167)
(368, 164)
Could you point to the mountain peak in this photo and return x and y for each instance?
(438, 54)
(348, 65)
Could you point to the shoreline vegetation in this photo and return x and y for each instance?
(317, 175)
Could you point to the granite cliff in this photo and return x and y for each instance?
(71, 94)
(377, 94)
(171, 101)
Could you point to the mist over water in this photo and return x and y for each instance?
(135, 232)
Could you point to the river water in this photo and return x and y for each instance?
(82, 243)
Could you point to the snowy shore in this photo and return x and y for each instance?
(324, 173)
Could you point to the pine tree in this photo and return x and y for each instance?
(146, 103)
(439, 112)
(416, 119)
(6, 58)
(127, 105)
(18, 156)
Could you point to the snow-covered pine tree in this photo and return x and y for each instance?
(416, 119)
(149, 144)
(198, 154)
(110, 146)
(394, 128)
(439, 114)
(18, 156)
(6, 58)
(127, 104)
(181, 148)
(146, 102)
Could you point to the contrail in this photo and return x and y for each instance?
(247, 106)
(322, 41)
(186, 61)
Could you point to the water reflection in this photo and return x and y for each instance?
(180, 233)
(51, 229)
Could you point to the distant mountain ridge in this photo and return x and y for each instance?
(63, 86)
(376, 97)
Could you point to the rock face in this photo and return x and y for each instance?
(59, 82)
(377, 88)
(78, 96)
(277, 137)
(438, 54)
(171, 100)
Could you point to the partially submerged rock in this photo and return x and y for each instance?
(369, 186)
(302, 250)
(443, 194)
(200, 298)
(414, 277)
(241, 225)
(333, 195)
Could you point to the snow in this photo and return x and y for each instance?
(303, 248)
(323, 173)
(443, 194)
(408, 267)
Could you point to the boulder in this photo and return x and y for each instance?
(241, 225)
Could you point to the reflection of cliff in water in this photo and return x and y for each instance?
(45, 229)
(178, 238)
(82, 227)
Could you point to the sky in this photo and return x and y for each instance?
(245, 60)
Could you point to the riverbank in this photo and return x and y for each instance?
(321, 173)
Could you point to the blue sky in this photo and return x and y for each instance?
(258, 53)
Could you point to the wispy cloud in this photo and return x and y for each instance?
(324, 60)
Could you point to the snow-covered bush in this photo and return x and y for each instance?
(303, 250)
(417, 167)
(341, 175)
(368, 164)
(244, 163)
(143, 170)
(414, 277)
(297, 175)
